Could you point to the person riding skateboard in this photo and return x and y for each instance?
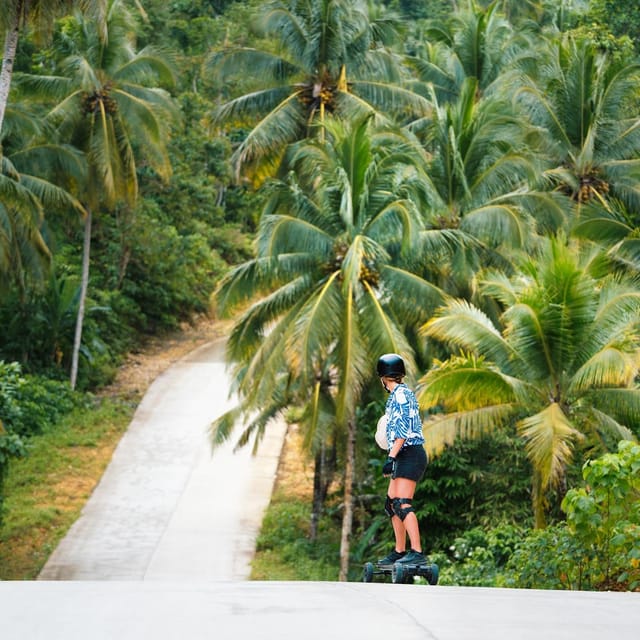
(406, 461)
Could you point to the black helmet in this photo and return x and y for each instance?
(390, 365)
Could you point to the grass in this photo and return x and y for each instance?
(284, 550)
(46, 490)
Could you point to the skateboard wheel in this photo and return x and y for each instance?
(367, 574)
(434, 573)
(398, 574)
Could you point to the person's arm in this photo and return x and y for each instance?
(389, 466)
(395, 449)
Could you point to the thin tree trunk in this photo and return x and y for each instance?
(538, 500)
(318, 494)
(325, 464)
(8, 58)
(84, 285)
(347, 516)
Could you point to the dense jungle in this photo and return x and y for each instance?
(457, 182)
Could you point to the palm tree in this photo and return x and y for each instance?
(614, 228)
(331, 286)
(110, 106)
(16, 14)
(588, 105)
(482, 196)
(474, 42)
(32, 172)
(330, 57)
(561, 364)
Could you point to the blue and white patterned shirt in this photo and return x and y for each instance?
(403, 417)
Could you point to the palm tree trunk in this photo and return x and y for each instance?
(8, 58)
(84, 285)
(347, 516)
(538, 500)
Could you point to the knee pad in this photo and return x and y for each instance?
(399, 510)
(388, 507)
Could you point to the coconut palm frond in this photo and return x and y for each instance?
(283, 125)
(285, 233)
(463, 383)
(148, 65)
(412, 294)
(222, 427)
(497, 225)
(225, 65)
(614, 430)
(382, 331)
(353, 361)
(622, 404)
(440, 431)
(387, 97)
(465, 327)
(317, 324)
(607, 368)
(548, 436)
(51, 195)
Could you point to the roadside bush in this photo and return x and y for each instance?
(598, 547)
(548, 558)
(284, 550)
(604, 516)
(11, 446)
(477, 557)
(29, 404)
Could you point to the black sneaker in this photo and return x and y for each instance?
(413, 557)
(394, 556)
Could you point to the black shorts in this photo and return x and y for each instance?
(411, 462)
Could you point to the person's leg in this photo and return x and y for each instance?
(399, 530)
(405, 488)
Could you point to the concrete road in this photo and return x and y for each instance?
(166, 509)
(308, 611)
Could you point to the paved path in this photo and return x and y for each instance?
(166, 509)
(308, 611)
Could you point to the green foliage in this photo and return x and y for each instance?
(28, 405)
(604, 516)
(477, 557)
(31, 404)
(622, 17)
(46, 490)
(11, 446)
(598, 547)
(547, 559)
(284, 551)
(39, 328)
(169, 275)
(467, 486)
(464, 488)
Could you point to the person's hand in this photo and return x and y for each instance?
(389, 467)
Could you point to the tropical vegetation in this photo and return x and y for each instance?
(453, 181)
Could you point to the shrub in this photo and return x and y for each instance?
(604, 516)
(29, 404)
(477, 557)
(598, 547)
